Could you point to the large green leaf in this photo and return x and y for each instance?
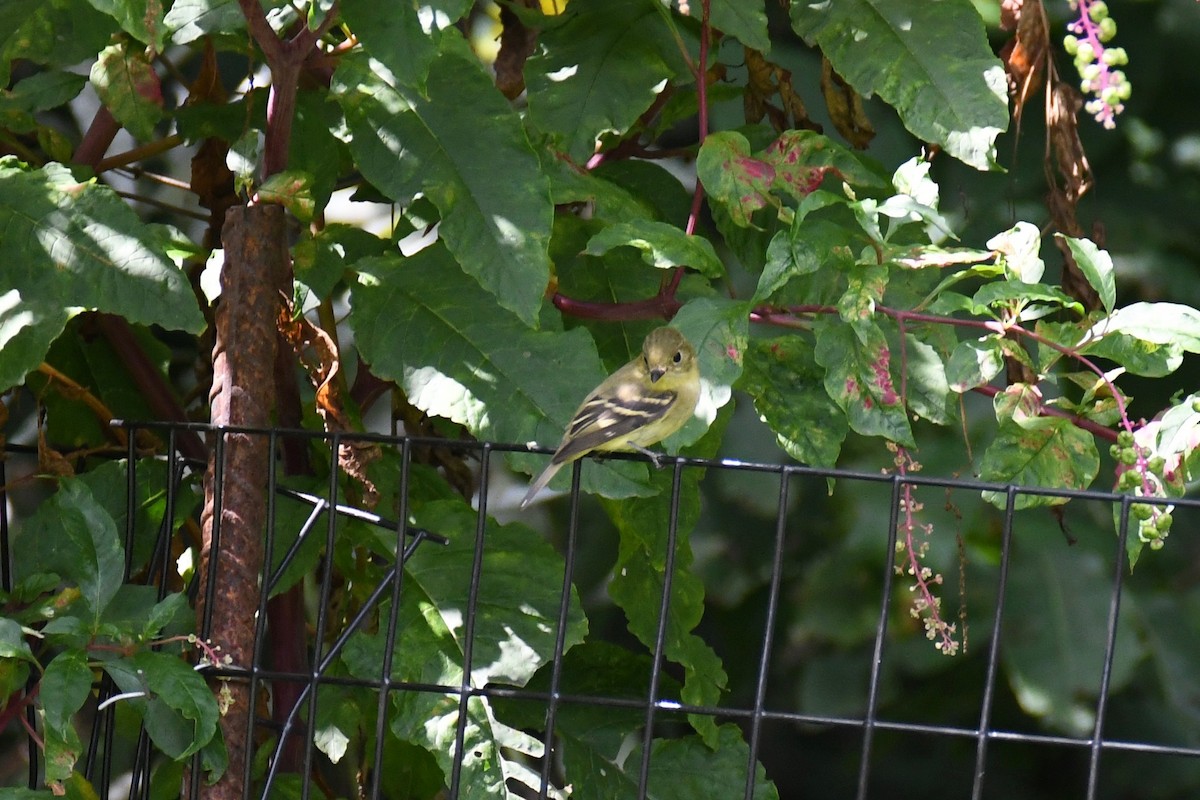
(70, 246)
(65, 687)
(858, 376)
(403, 35)
(1044, 451)
(71, 534)
(515, 623)
(424, 323)
(188, 20)
(640, 576)
(789, 395)
(178, 708)
(662, 246)
(40, 92)
(142, 19)
(930, 61)
(1158, 323)
(464, 148)
(746, 20)
(600, 70)
(129, 87)
(58, 33)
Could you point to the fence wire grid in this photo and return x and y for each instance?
(805, 742)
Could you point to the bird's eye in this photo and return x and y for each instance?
(678, 356)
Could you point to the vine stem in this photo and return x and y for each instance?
(789, 317)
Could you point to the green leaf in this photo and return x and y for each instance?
(517, 610)
(974, 362)
(515, 630)
(592, 736)
(789, 394)
(930, 61)
(719, 329)
(865, 285)
(858, 376)
(464, 147)
(393, 34)
(599, 71)
(928, 388)
(639, 579)
(65, 687)
(1158, 323)
(1136, 355)
(1005, 294)
(794, 165)
(291, 189)
(1097, 266)
(180, 710)
(129, 87)
(420, 321)
(734, 178)
(12, 642)
(141, 19)
(109, 486)
(321, 260)
(663, 246)
(70, 246)
(809, 245)
(688, 768)
(57, 33)
(745, 20)
(188, 20)
(39, 92)
(71, 534)
(1044, 452)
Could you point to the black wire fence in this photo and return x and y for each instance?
(832, 685)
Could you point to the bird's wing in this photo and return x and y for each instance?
(602, 419)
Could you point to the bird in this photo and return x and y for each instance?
(640, 404)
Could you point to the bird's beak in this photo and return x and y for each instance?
(656, 373)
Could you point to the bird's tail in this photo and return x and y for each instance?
(539, 484)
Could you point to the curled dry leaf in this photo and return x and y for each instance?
(1025, 55)
(845, 108)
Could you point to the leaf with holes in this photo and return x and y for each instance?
(662, 246)
(600, 70)
(462, 146)
(929, 61)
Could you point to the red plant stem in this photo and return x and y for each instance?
(285, 60)
(790, 318)
(662, 305)
(98, 137)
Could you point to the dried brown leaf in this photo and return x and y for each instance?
(845, 108)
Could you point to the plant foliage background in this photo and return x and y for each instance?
(902, 235)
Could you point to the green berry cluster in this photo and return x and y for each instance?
(1154, 521)
(1096, 62)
